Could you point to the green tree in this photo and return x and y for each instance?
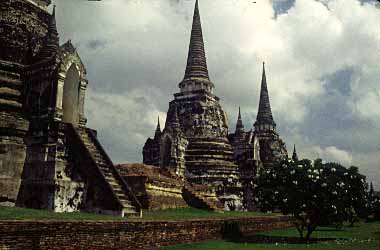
(314, 193)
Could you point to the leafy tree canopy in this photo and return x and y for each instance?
(313, 192)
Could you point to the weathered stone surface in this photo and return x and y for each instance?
(45, 160)
(12, 156)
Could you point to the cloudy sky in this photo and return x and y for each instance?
(322, 61)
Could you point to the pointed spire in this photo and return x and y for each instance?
(51, 43)
(264, 114)
(239, 124)
(371, 190)
(158, 129)
(295, 156)
(196, 59)
(53, 14)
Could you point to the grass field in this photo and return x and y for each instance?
(7, 213)
(193, 213)
(362, 237)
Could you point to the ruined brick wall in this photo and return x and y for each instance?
(66, 235)
(161, 197)
(154, 188)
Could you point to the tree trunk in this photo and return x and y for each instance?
(300, 228)
(310, 230)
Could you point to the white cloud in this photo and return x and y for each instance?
(123, 119)
(333, 154)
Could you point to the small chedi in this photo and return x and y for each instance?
(195, 144)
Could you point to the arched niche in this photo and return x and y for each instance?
(72, 85)
(70, 100)
(256, 149)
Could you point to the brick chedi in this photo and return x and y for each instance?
(272, 147)
(259, 147)
(194, 143)
(49, 159)
(262, 146)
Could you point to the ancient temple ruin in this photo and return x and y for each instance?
(195, 143)
(49, 159)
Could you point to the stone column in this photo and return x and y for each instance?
(82, 96)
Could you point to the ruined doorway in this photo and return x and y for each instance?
(167, 152)
(70, 101)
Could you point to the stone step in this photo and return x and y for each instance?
(106, 171)
(130, 212)
(103, 165)
(96, 155)
(124, 199)
(110, 178)
(99, 159)
(211, 204)
(119, 192)
(91, 148)
(113, 184)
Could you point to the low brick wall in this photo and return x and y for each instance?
(110, 235)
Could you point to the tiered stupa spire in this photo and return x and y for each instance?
(239, 124)
(264, 114)
(196, 74)
(196, 60)
(158, 129)
(294, 156)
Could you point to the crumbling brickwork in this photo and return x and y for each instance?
(101, 235)
(154, 187)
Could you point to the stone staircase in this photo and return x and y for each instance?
(122, 193)
(197, 196)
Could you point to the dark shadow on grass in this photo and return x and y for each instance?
(264, 239)
(377, 235)
(329, 230)
(232, 232)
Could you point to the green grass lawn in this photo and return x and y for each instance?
(193, 213)
(8, 213)
(362, 237)
(15, 213)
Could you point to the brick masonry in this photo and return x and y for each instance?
(110, 235)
